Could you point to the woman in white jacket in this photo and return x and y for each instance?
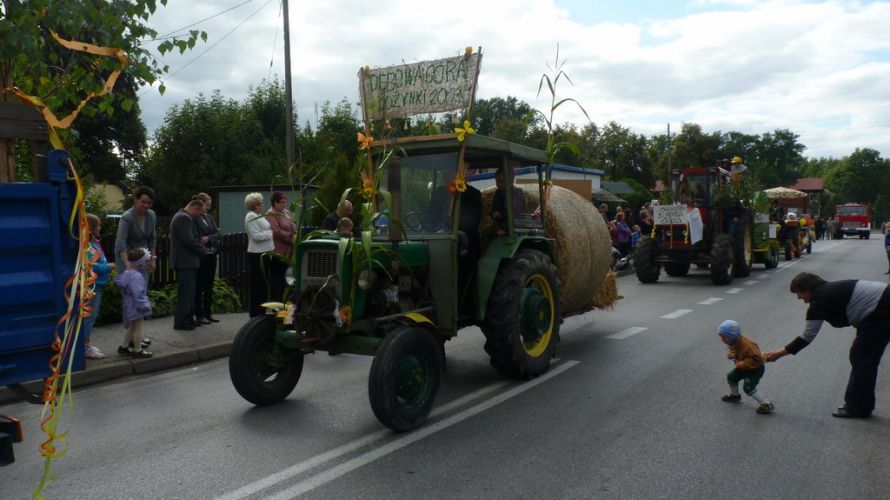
(259, 241)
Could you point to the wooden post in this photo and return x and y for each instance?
(21, 121)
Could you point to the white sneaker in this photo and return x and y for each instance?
(93, 352)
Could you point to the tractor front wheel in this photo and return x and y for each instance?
(522, 320)
(772, 257)
(721, 260)
(262, 371)
(644, 261)
(405, 377)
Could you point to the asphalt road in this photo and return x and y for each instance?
(631, 409)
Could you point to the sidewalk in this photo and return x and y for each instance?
(171, 348)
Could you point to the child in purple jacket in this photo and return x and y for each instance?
(134, 298)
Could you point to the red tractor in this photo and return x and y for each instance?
(704, 226)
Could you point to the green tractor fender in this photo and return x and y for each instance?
(499, 250)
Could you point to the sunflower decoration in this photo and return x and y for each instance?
(367, 187)
(364, 141)
(344, 315)
(460, 185)
(462, 132)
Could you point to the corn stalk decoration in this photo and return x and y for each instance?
(552, 80)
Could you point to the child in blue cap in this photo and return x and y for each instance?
(749, 362)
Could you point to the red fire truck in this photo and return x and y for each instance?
(853, 219)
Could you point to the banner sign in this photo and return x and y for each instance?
(669, 214)
(419, 88)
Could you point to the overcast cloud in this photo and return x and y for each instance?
(820, 69)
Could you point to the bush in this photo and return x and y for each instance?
(225, 300)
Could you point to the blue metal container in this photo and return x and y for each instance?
(37, 257)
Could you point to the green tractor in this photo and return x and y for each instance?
(400, 291)
(766, 245)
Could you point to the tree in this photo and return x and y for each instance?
(206, 142)
(106, 146)
(777, 159)
(864, 176)
(40, 66)
(488, 113)
(694, 148)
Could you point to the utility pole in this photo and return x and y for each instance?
(670, 148)
(288, 105)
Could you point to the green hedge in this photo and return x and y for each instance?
(225, 300)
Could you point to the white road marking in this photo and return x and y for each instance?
(712, 300)
(627, 332)
(326, 476)
(828, 246)
(734, 290)
(300, 467)
(676, 314)
(751, 282)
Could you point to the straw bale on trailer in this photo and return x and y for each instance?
(583, 249)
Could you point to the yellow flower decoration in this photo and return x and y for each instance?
(344, 314)
(365, 140)
(367, 187)
(462, 132)
(460, 185)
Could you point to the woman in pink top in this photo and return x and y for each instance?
(283, 232)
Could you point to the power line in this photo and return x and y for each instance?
(274, 42)
(172, 33)
(208, 49)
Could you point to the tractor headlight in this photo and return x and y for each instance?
(289, 277)
(366, 279)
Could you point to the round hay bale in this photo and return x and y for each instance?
(582, 246)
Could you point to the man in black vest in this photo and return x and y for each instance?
(862, 304)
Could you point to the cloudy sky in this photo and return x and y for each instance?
(818, 68)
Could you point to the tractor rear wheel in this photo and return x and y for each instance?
(721, 260)
(262, 371)
(405, 377)
(644, 261)
(521, 324)
(676, 268)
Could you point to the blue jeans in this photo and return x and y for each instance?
(87, 326)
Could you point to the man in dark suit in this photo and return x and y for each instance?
(186, 249)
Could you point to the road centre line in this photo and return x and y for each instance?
(627, 332)
(310, 463)
(324, 477)
(734, 290)
(676, 314)
(712, 300)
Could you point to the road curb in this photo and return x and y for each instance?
(116, 370)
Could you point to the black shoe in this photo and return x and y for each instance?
(845, 413)
(125, 350)
(731, 398)
(211, 319)
(144, 344)
(184, 327)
